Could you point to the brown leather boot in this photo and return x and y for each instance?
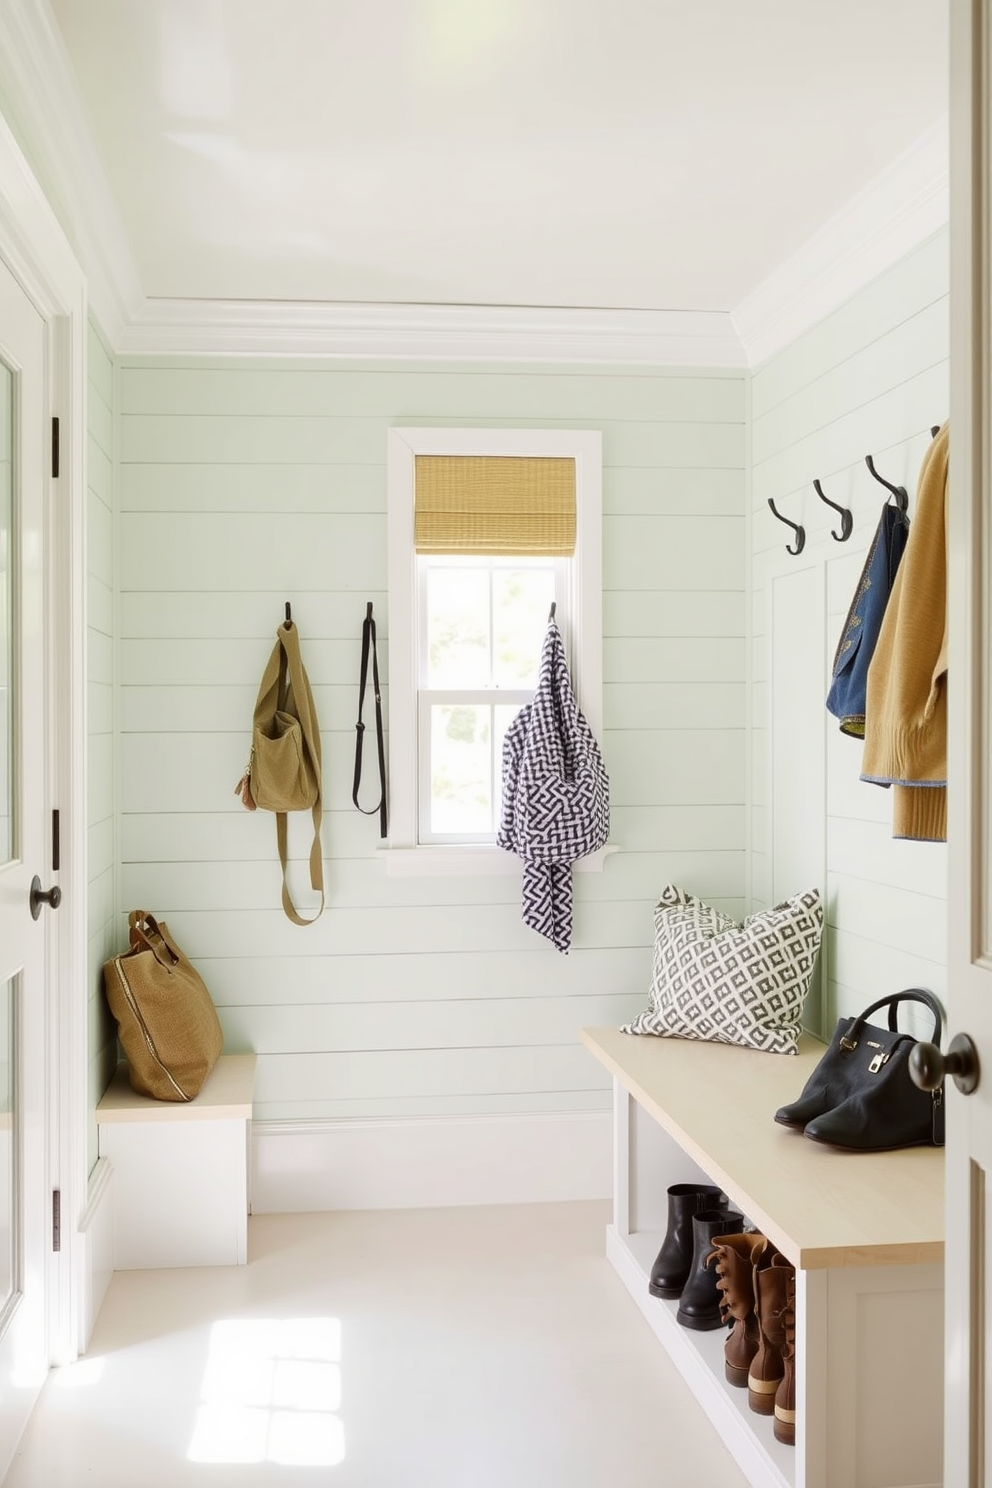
(785, 1395)
(734, 1257)
(771, 1277)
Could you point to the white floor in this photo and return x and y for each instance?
(468, 1348)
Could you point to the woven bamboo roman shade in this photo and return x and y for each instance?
(498, 504)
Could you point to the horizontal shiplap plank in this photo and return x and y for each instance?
(255, 615)
(100, 800)
(100, 421)
(689, 659)
(916, 345)
(343, 552)
(501, 1022)
(99, 656)
(447, 1107)
(236, 488)
(198, 771)
(267, 390)
(99, 471)
(893, 916)
(911, 284)
(298, 1080)
(867, 850)
(364, 883)
(100, 707)
(216, 707)
(637, 705)
(233, 663)
(233, 833)
(287, 440)
(638, 613)
(873, 428)
(373, 978)
(99, 605)
(630, 491)
(873, 969)
(673, 553)
(99, 367)
(402, 931)
(99, 541)
(656, 767)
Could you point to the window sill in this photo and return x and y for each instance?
(461, 861)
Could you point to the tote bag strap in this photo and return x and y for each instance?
(296, 698)
(368, 641)
(316, 866)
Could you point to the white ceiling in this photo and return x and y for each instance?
(638, 154)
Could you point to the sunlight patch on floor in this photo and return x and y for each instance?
(271, 1392)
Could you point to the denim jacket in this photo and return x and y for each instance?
(846, 698)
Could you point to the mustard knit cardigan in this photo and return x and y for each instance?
(906, 706)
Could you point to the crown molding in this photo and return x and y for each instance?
(431, 332)
(41, 100)
(902, 207)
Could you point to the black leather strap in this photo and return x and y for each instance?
(368, 643)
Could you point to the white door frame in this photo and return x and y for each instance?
(35, 249)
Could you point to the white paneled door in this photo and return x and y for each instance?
(23, 841)
(968, 1264)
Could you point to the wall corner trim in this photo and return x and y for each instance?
(903, 206)
(310, 1166)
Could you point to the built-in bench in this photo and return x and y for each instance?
(864, 1230)
(181, 1170)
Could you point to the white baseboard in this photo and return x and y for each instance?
(307, 1166)
(96, 1248)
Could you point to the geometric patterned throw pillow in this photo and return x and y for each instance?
(731, 983)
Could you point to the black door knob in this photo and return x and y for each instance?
(928, 1067)
(40, 896)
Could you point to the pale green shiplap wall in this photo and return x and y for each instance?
(247, 483)
(103, 929)
(870, 379)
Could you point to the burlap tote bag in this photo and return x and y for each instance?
(166, 1019)
(283, 771)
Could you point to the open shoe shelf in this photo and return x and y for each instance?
(864, 1230)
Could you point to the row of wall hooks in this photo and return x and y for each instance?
(846, 517)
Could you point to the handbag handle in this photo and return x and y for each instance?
(145, 930)
(912, 994)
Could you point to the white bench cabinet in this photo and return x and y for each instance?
(180, 1189)
(864, 1231)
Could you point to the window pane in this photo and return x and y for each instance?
(457, 627)
(521, 602)
(461, 769)
(502, 718)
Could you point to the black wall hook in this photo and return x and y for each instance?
(551, 615)
(289, 614)
(899, 492)
(799, 531)
(846, 518)
(934, 430)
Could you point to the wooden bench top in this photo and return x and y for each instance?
(822, 1207)
(226, 1095)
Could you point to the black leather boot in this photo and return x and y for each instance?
(700, 1303)
(674, 1260)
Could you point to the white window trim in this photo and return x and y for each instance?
(405, 856)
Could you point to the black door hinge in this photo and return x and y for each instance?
(56, 843)
(55, 448)
(56, 1219)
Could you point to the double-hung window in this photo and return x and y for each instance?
(488, 530)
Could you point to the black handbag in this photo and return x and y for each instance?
(860, 1096)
